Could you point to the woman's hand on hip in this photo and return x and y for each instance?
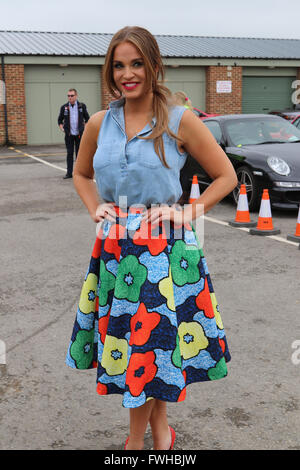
(175, 213)
(105, 211)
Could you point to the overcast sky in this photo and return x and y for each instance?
(231, 18)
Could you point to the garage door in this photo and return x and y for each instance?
(46, 90)
(191, 80)
(264, 94)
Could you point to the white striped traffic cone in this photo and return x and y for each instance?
(195, 191)
(296, 236)
(242, 218)
(264, 223)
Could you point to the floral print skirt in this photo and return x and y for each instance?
(147, 317)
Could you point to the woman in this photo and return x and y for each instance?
(181, 99)
(147, 316)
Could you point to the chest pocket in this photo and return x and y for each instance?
(107, 154)
(144, 153)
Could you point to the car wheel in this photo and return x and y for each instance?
(246, 177)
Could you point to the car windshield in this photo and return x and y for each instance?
(255, 131)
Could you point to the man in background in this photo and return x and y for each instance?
(71, 120)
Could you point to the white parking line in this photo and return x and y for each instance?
(210, 219)
(42, 161)
(245, 229)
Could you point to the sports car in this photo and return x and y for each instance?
(202, 114)
(265, 152)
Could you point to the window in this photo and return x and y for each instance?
(297, 123)
(215, 129)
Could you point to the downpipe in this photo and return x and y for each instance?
(4, 100)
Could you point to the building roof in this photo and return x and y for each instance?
(95, 44)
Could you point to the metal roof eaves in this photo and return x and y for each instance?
(54, 32)
(225, 37)
(156, 35)
(177, 46)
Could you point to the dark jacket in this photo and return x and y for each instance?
(64, 117)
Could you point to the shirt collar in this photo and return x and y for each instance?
(117, 111)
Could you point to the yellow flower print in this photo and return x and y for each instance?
(87, 299)
(191, 339)
(216, 311)
(114, 357)
(165, 287)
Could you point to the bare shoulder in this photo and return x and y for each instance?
(88, 145)
(190, 122)
(94, 123)
(191, 131)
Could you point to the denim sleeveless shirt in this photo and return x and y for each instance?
(132, 168)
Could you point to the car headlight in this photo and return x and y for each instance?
(279, 166)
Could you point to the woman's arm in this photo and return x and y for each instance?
(201, 145)
(198, 141)
(83, 170)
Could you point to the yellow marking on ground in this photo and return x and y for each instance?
(37, 159)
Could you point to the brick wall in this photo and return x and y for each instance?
(15, 103)
(15, 99)
(2, 118)
(223, 103)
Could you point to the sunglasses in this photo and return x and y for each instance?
(70, 96)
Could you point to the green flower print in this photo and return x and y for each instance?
(184, 264)
(198, 243)
(131, 276)
(219, 371)
(82, 348)
(176, 356)
(106, 282)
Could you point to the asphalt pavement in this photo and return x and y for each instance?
(46, 239)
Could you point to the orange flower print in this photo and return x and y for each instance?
(97, 248)
(111, 244)
(102, 326)
(144, 236)
(222, 344)
(101, 389)
(141, 370)
(203, 301)
(183, 391)
(142, 324)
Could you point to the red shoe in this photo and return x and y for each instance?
(173, 436)
(126, 443)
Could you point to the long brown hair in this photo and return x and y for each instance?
(147, 45)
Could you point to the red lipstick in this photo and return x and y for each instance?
(130, 85)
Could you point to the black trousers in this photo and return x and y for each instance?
(71, 142)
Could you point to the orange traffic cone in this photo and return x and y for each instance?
(264, 223)
(296, 236)
(195, 192)
(242, 218)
